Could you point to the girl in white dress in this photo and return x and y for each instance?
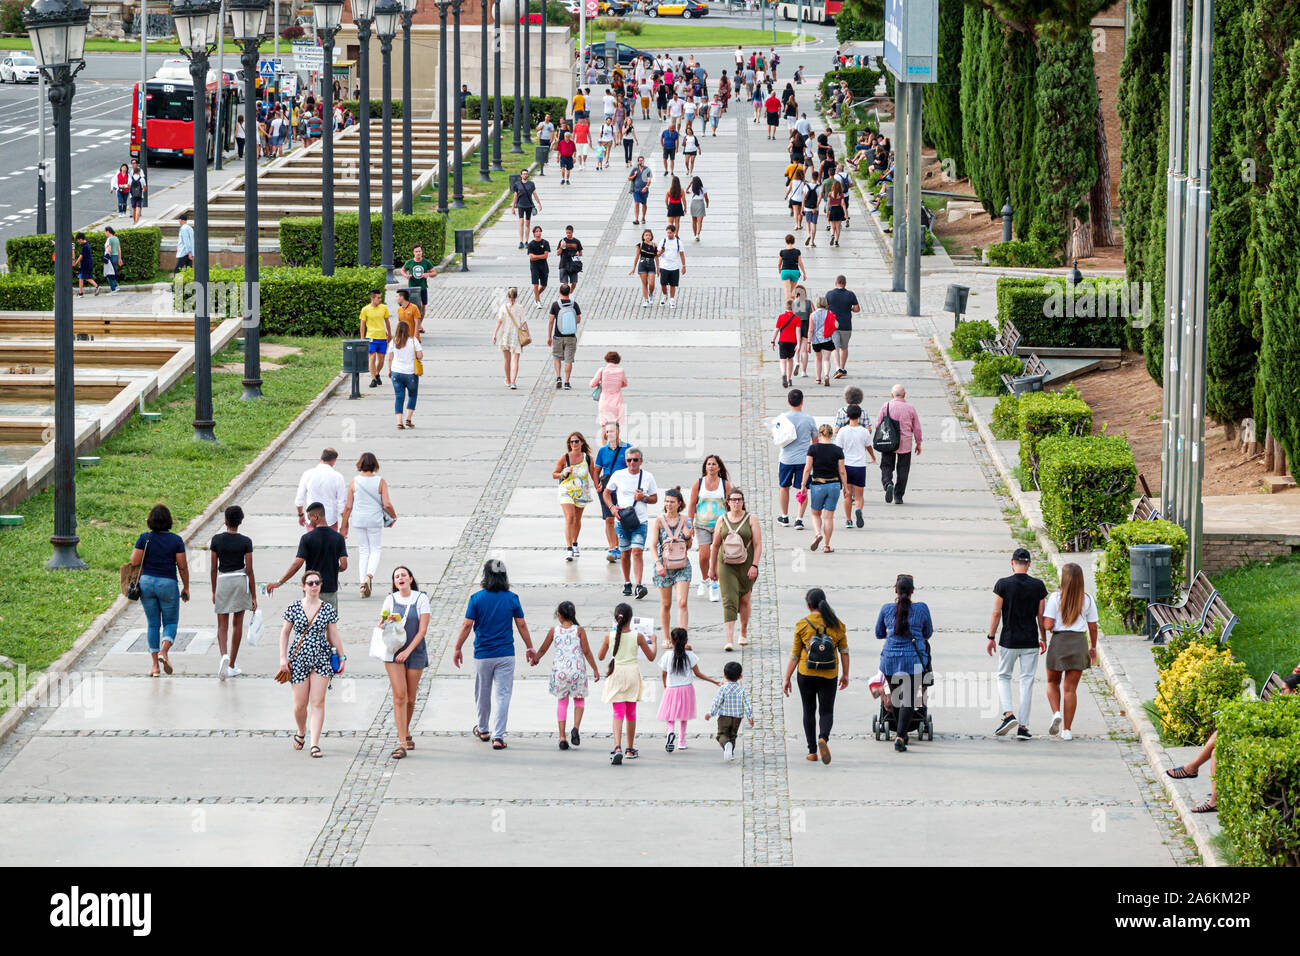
(569, 669)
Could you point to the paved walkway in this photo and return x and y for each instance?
(190, 770)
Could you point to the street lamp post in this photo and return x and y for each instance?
(496, 83)
(363, 14)
(516, 148)
(408, 183)
(327, 14)
(198, 22)
(58, 32)
(542, 74)
(528, 103)
(387, 15)
(248, 19)
(483, 145)
(442, 104)
(458, 192)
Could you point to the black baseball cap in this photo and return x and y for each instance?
(1020, 555)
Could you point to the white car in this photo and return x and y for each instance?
(18, 68)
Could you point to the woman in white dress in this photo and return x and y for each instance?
(510, 322)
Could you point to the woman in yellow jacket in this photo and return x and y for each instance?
(821, 653)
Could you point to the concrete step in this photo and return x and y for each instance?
(40, 387)
(105, 325)
(139, 354)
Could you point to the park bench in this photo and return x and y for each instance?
(1030, 380)
(1006, 342)
(1274, 685)
(1144, 510)
(1200, 609)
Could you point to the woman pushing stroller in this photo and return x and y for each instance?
(905, 662)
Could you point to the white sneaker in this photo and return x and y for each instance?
(568, 555)
(575, 552)
(699, 591)
(714, 594)
(728, 751)
(645, 303)
(235, 671)
(1055, 728)
(1066, 735)
(223, 669)
(672, 303)
(663, 299)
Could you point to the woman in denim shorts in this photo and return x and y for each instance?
(824, 478)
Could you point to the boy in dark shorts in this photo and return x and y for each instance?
(539, 251)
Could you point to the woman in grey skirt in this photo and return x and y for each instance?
(1071, 616)
(234, 589)
(697, 205)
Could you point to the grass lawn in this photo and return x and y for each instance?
(663, 36)
(143, 464)
(478, 196)
(109, 45)
(1266, 597)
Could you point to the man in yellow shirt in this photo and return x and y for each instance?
(409, 312)
(375, 327)
(579, 105)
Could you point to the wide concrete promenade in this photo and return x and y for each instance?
(188, 770)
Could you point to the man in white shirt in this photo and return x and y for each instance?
(607, 103)
(855, 439)
(672, 266)
(675, 108)
(740, 59)
(803, 126)
(633, 488)
(324, 484)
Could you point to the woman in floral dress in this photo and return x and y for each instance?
(569, 670)
(309, 634)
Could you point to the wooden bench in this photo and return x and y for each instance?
(1144, 510)
(1200, 609)
(1005, 344)
(1030, 380)
(1274, 685)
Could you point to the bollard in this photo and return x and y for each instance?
(1007, 214)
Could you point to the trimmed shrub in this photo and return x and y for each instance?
(1180, 639)
(1113, 568)
(1049, 413)
(990, 368)
(966, 337)
(539, 107)
(26, 292)
(1085, 480)
(1006, 418)
(376, 108)
(141, 248)
(1024, 254)
(1051, 312)
(1201, 682)
(862, 81)
(295, 301)
(1257, 773)
(300, 237)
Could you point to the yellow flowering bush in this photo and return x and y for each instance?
(1194, 689)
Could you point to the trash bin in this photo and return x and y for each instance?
(541, 154)
(356, 360)
(956, 302)
(1150, 575)
(464, 246)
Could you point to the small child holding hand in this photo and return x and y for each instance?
(730, 704)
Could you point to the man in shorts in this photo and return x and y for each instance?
(610, 459)
(669, 138)
(562, 334)
(772, 106)
(539, 265)
(570, 250)
(377, 330)
(793, 457)
(524, 200)
(416, 271)
(567, 149)
(545, 133)
(631, 488)
(842, 304)
(640, 178)
(855, 439)
(672, 266)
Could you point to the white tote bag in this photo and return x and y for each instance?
(386, 641)
(783, 431)
(255, 628)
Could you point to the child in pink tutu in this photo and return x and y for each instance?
(680, 668)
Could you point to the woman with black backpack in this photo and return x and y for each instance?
(821, 653)
(905, 627)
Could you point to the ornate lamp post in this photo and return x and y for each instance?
(528, 101)
(458, 193)
(408, 184)
(248, 20)
(496, 84)
(518, 103)
(327, 14)
(197, 24)
(58, 32)
(387, 15)
(442, 104)
(363, 14)
(483, 144)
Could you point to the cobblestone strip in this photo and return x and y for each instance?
(764, 773)
(366, 782)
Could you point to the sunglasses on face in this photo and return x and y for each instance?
(633, 461)
(575, 442)
(312, 584)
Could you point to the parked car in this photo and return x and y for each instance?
(626, 54)
(615, 8)
(685, 9)
(18, 68)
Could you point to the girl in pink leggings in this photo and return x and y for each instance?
(623, 687)
(568, 672)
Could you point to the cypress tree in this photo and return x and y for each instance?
(941, 102)
(972, 79)
(1019, 120)
(1152, 254)
(992, 188)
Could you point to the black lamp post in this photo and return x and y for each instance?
(58, 32)
(496, 83)
(408, 182)
(387, 15)
(516, 148)
(363, 15)
(458, 193)
(197, 24)
(248, 18)
(327, 14)
(528, 102)
(442, 104)
(483, 144)
(542, 74)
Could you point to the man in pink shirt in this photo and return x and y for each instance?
(909, 429)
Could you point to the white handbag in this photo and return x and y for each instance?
(783, 431)
(387, 640)
(255, 628)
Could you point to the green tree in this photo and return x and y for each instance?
(941, 102)
(972, 79)
(1019, 122)
(992, 186)
(860, 20)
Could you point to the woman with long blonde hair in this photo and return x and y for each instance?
(1071, 616)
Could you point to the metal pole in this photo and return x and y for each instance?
(1175, 192)
(408, 182)
(203, 422)
(900, 184)
(582, 40)
(327, 157)
(41, 93)
(773, 22)
(528, 100)
(386, 48)
(363, 172)
(1186, 285)
(541, 85)
(218, 141)
(275, 32)
(143, 99)
(252, 310)
(915, 230)
(442, 105)
(65, 537)
(1200, 294)
(484, 146)
(496, 96)
(518, 103)
(458, 192)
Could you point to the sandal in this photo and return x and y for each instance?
(410, 742)
(398, 754)
(166, 664)
(410, 424)
(816, 541)
(298, 741)
(498, 744)
(743, 640)
(365, 587)
(828, 550)
(481, 735)
(400, 426)
(315, 752)
(1209, 806)
(153, 673)
(1180, 773)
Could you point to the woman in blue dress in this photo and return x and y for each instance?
(905, 627)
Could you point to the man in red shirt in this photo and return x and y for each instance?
(787, 334)
(566, 149)
(772, 106)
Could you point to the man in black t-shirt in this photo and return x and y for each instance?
(321, 549)
(525, 201)
(1018, 609)
(539, 266)
(842, 304)
(570, 258)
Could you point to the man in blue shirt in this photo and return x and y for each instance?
(184, 245)
(669, 139)
(794, 455)
(610, 459)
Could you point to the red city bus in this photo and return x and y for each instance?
(814, 11)
(169, 111)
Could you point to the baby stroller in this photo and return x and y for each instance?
(884, 725)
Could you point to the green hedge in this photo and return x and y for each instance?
(1257, 773)
(376, 108)
(862, 82)
(1086, 480)
(1024, 254)
(300, 238)
(299, 301)
(1006, 418)
(1113, 568)
(141, 250)
(1049, 413)
(1051, 313)
(539, 107)
(26, 292)
(990, 368)
(966, 337)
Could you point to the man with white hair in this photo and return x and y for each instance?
(895, 465)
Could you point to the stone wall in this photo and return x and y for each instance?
(1225, 551)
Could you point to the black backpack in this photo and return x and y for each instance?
(821, 649)
(810, 197)
(887, 437)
